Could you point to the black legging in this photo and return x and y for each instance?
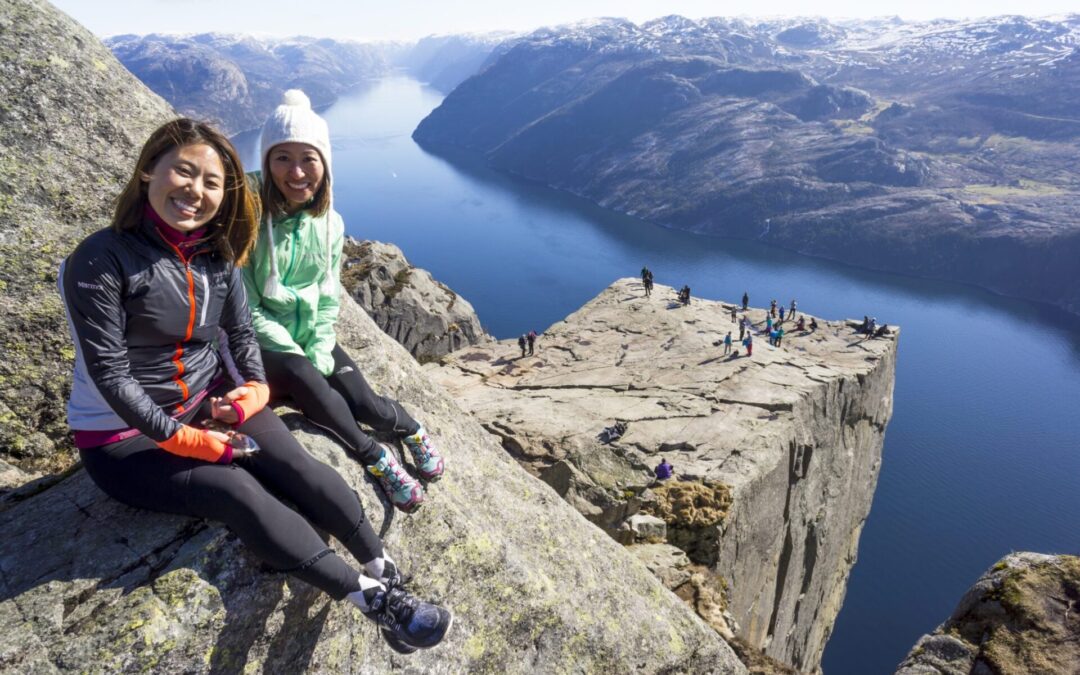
(336, 403)
(242, 495)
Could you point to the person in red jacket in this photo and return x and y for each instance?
(146, 299)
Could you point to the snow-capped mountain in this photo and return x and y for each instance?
(235, 80)
(945, 148)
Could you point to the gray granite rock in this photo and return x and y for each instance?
(776, 455)
(71, 123)
(89, 585)
(424, 315)
(648, 527)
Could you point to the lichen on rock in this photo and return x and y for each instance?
(1021, 616)
(691, 505)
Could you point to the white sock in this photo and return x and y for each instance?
(362, 598)
(381, 568)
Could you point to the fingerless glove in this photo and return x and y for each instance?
(197, 443)
(256, 398)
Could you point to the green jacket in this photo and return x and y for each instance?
(300, 317)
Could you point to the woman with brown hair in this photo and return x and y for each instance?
(146, 299)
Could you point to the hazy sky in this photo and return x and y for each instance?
(410, 19)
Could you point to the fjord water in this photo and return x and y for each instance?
(982, 456)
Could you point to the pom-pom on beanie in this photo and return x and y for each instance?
(293, 121)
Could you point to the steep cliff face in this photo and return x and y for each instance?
(71, 123)
(87, 584)
(776, 455)
(1021, 616)
(422, 314)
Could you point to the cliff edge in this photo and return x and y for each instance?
(776, 455)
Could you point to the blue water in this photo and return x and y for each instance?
(982, 456)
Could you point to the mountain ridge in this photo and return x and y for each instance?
(944, 181)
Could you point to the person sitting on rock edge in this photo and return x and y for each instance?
(146, 301)
(293, 286)
(664, 470)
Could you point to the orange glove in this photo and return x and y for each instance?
(258, 394)
(197, 443)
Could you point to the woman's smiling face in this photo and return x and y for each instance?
(186, 186)
(297, 170)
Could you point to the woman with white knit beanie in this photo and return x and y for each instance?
(292, 284)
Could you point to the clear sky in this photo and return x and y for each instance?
(411, 19)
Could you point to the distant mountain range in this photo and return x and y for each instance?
(945, 149)
(236, 80)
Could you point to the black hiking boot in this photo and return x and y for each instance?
(408, 623)
(395, 579)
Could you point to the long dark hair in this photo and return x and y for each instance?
(235, 226)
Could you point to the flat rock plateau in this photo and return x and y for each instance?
(776, 454)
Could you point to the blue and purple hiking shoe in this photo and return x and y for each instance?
(408, 623)
(404, 491)
(429, 463)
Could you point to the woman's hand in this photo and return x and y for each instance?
(219, 436)
(221, 407)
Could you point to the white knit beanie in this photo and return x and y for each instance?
(293, 121)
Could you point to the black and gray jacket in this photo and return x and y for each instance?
(145, 318)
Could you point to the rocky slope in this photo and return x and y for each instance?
(71, 122)
(942, 149)
(422, 314)
(1021, 616)
(235, 81)
(777, 454)
(88, 585)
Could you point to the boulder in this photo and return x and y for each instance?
(648, 527)
(424, 315)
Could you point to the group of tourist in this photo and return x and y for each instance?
(211, 293)
(870, 328)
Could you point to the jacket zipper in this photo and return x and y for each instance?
(177, 356)
(285, 282)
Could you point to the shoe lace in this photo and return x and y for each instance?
(395, 475)
(421, 445)
(398, 607)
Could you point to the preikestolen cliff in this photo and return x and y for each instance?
(840, 503)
